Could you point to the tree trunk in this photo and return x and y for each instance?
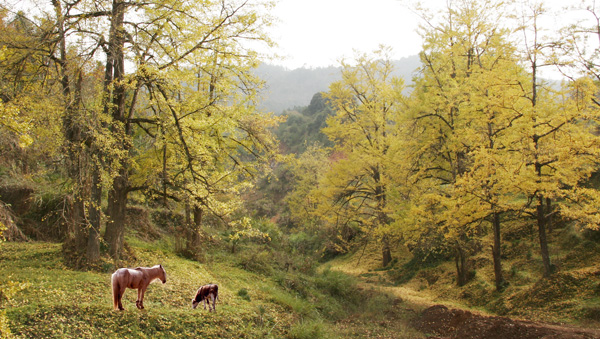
(114, 104)
(541, 221)
(387, 254)
(74, 137)
(77, 222)
(549, 215)
(382, 217)
(541, 208)
(195, 241)
(93, 246)
(496, 254)
(117, 206)
(164, 175)
(461, 266)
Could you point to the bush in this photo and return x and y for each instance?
(256, 260)
(45, 221)
(304, 243)
(270, 228)
(293, 282)
(167, 219)
(337, 284)
(139, 220)
(310, 330)
(243, 293)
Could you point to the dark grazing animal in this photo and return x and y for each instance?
(207, 292)
(137, 278)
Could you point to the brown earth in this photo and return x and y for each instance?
(445, 323)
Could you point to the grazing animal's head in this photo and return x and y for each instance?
(163, 274)
(200, 295)
(195, 302)
(197, 299)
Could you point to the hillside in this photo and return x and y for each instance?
(270, 290)
(42, 297)
(287, 89)
(302, 127)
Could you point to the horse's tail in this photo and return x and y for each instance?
(115, 290)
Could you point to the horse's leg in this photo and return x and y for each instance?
(138, 302)
(142, 299)
(115, 292)
(120, 297)
(141, 291)
(204, 303)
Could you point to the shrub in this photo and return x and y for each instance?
(48, 208)
(256, 260)
(337, 284)
(293, 282)
(167, 219)
(243, 293)
(269, 228)
(310, 330)
(304, 243)
(139, 220)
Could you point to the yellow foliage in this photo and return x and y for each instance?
(12, 119)
(243, 229)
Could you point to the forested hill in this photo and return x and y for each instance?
(303, 125)
(288, 89)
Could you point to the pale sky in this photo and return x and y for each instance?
(318, 33)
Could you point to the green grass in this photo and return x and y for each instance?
(43, 298)
(59, 302)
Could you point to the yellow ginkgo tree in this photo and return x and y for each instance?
(154, 96)
(366, 103)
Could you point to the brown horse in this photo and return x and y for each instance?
(207, 292)
(137, 278)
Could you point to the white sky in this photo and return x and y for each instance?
(318, 33)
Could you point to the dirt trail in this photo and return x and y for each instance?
(454, 323)
(445, 319)
(446, 322)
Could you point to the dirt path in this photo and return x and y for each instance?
(437, 318)
(454, 323)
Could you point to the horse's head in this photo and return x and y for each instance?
(163, 274)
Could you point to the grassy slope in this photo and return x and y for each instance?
(571, 296)
(51, 300)
(59, 302)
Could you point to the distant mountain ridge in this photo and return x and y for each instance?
(289, 89)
